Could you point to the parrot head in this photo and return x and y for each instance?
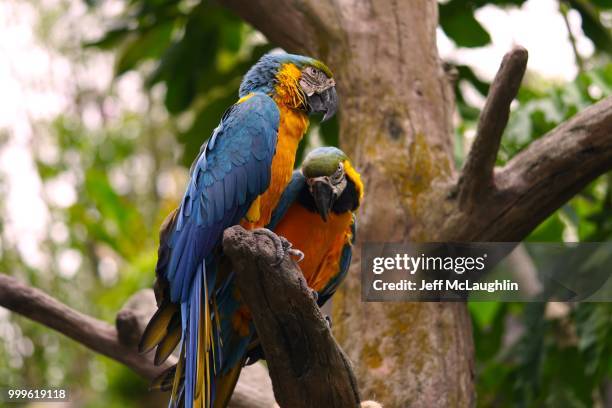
(296, 81)
(333, 183)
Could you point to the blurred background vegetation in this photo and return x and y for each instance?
(146, 81)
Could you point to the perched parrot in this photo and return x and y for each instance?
(238, 177)
(316, 213)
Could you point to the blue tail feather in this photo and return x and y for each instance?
(191, 332)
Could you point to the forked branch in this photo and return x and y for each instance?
(477, 174)
(507, 203)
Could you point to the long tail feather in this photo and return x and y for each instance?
(199, 341)
(224, 387)
(157, 328)
(178, 379)
(163, 382)
(169, 342)
(191, 333)
(196, 326)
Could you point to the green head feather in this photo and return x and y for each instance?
(322, 161)
(321, 66)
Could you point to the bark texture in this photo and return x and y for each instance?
(395, 123)
(307, 367)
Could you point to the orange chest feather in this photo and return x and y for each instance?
(291, 129)
(321, 242)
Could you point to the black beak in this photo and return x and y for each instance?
(325, 102)
(323, 197)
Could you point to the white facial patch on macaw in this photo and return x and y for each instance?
(314, 81)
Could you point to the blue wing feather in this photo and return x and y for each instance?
(290, 194)
(226, 178)
(232, 169)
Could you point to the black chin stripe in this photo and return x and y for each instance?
(348, 201)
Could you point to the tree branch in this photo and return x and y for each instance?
(307, 367)
(477, 174)
(551, 170)
(253, 389)
(95, 334)
(288, 24)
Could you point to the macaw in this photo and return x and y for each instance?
(238, 177)
(317, 214)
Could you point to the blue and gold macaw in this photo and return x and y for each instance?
(316, 213)
(238, 177)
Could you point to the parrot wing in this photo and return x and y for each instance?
(345, 261)
(290, 194)
(232, 169)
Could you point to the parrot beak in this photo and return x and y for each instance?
(325, 102)
(323, 195)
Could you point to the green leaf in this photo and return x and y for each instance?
(484, 312)
(467, 73)
(592, 25)
(181, 91)
(111, 39)
(594, 329)
(458, 22)
(551, 230)
(149, 44)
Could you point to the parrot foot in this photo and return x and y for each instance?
(283, 246)
(328, 320)
(297, 253)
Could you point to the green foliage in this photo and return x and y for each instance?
(521, 350)
(199, 53)
(525, 357)
(543, 108)
(592, 23)
(458, 22)
(457, 19)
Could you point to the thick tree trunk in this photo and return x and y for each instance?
(396, 125)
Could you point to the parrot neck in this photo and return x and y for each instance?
(287, 91)
(291, 129)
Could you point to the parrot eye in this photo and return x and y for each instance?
(338, 175)
(314, 80)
